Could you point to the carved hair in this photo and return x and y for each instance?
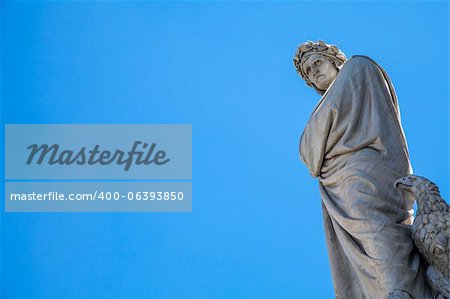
(320, 47)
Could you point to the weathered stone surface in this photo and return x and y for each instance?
(354, 144)
(431, 230)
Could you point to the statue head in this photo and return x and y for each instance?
(318, 64)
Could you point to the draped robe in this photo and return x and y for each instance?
(355, 145)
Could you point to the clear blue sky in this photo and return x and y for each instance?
(226, 68)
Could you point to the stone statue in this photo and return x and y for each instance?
(354, 144)
(431, 231)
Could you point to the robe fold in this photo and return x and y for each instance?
(354, 143)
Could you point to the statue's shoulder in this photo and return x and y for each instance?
(361, 60)
(360, 63)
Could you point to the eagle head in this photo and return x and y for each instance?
(416, 185)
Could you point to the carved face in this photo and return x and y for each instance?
(320, 70)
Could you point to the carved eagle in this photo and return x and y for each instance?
(431, 231)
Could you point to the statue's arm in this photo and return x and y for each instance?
(313, 142)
